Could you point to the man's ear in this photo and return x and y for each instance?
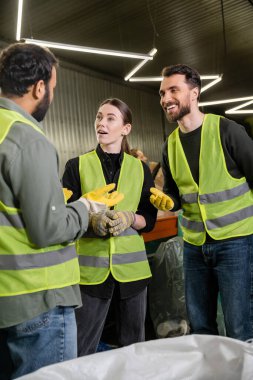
(195, 93)
(38, 90)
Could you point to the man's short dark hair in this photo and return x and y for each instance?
(22, 65)
(192, 76)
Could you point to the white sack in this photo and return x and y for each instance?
(190, 357)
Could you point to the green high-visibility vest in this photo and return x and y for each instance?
(125, 255)
(219, 204)
(24, 268)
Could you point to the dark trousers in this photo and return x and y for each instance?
(90, 318)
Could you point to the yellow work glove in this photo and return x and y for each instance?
(102, 195)
(160, 200)
(67, 194)
(99, 222)
(119, 221)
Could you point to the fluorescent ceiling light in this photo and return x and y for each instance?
(19, 20)
(234, 110)
(146, 79)
(137, 67)
(210, 76)
(223, 101)
(85, 49)
(216, 79)
(159, 79)
(145, 58)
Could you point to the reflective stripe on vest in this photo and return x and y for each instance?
(24, 268)
(193, 225)
(11, 220)
(124, 256)
(218, 197)
(225, 195)
(220, 204)
(37, 260)
(103, 262)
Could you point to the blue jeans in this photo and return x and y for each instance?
(223, 267)
(47, 339)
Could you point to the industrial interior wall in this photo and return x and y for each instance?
(69, 123)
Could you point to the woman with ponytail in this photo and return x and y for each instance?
(112, 254)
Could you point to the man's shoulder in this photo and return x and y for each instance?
(230, 126)
(22, 133)
(23, 137)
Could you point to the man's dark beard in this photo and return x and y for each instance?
(42, 107)
(182, 112)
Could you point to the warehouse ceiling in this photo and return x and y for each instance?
(214, 36)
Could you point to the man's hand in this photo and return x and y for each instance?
(67, 193)
(101, 195)
(99, 222)
(119, 221)
(160, 200)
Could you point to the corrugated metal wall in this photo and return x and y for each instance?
(69, 123)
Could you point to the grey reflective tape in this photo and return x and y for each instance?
(128, 232)
(221, 196)
(234, 217)
(193, 225)
(128, 258)
(11, 220)
(93, 261)
(189, 198)
(37, 260)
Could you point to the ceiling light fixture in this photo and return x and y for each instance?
(157, 79)
(142, 63)
(234, 110)
(145, 58)
(82, 49)
(146, 79)
(19, 19)
(215, 102)
(85, 49)
(216, 79)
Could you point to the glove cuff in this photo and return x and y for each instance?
(93, 206)
(134, 219)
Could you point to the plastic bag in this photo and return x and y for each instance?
(166, 290)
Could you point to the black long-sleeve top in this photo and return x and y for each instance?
(111, 164)
(238, 152)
